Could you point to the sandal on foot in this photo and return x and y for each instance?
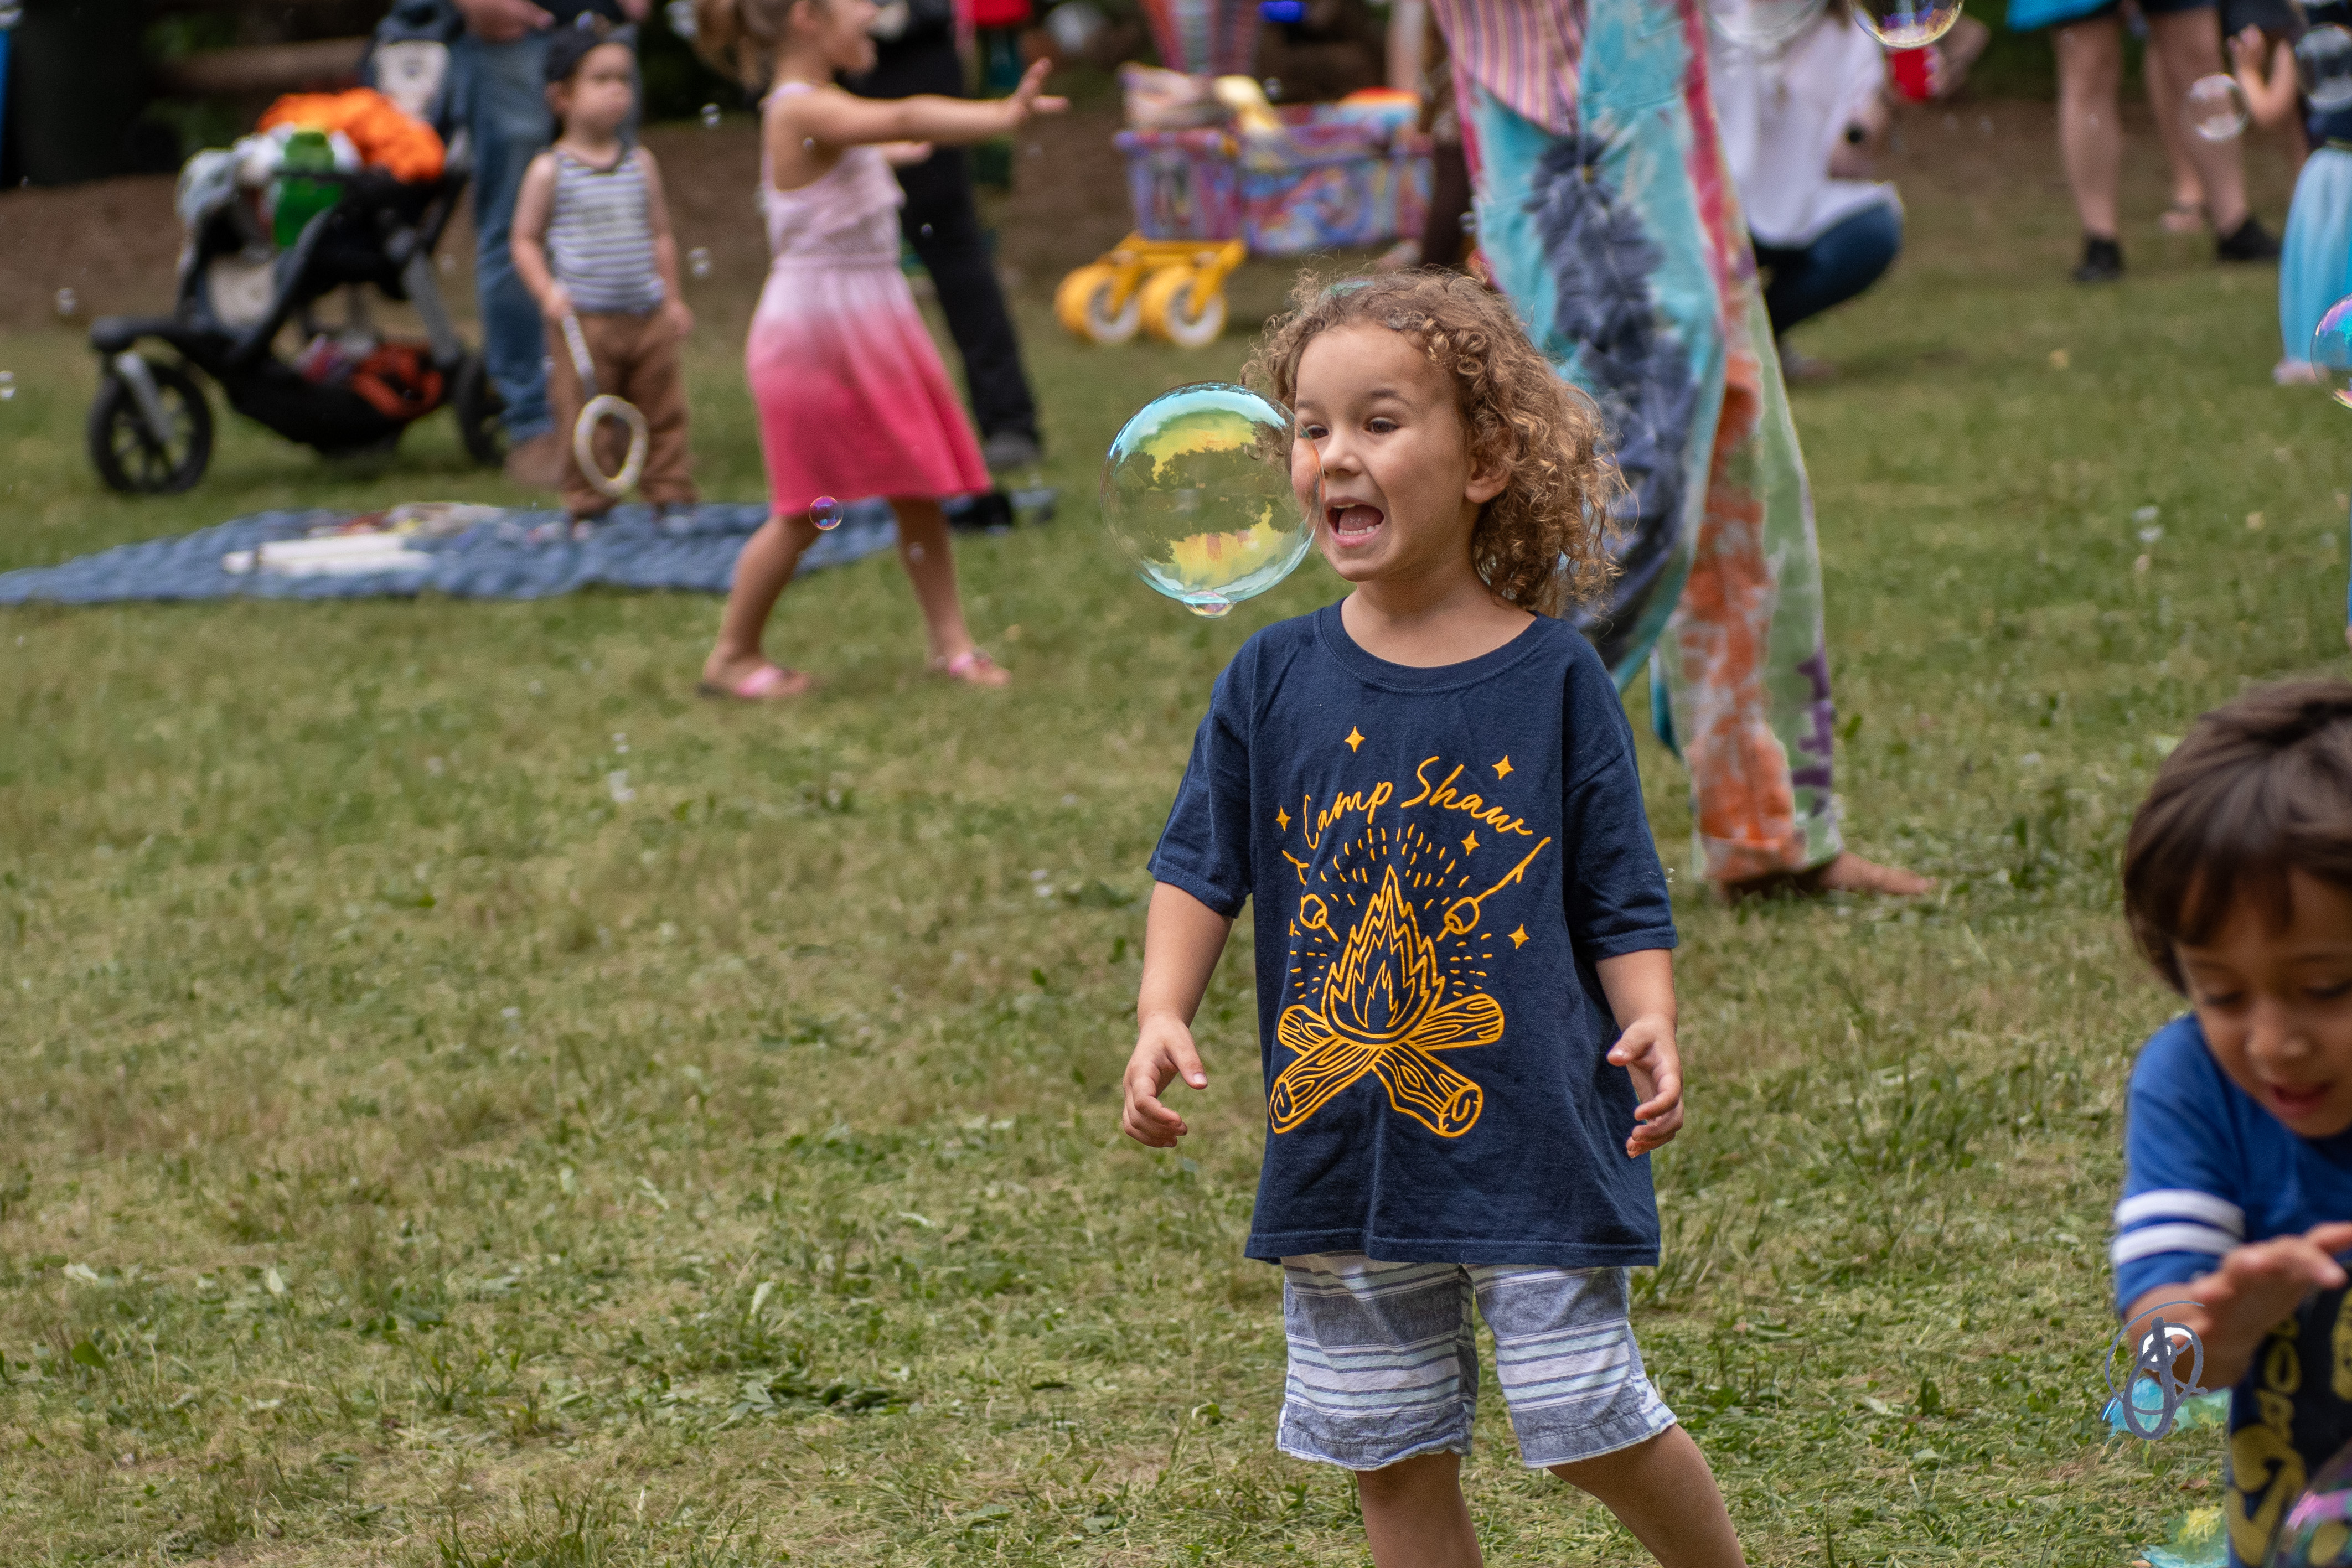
(2183, 218)
(769, 683)
(973, 668)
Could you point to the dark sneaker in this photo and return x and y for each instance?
(2103, 260)
(2248, 242)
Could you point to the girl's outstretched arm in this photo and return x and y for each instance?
(842, 120)
(1181, 940)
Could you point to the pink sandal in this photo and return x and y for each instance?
(769, 683)
(973, 668)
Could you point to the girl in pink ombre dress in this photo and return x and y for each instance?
(852, 396)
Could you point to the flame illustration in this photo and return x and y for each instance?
(1383, 1013)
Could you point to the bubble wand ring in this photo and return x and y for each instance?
(602, 406)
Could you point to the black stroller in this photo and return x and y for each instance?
(151, 429)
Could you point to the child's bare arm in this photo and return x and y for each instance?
(665, 244)
(1641, 991)
(527, 240)
(2265, 74)
(843, 120)
(2256, 1287)
(1181, 940)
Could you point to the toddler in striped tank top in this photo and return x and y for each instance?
(592, 239)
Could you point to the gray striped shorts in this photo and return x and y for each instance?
(1384, 1364)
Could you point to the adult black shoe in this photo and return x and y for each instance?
(2103, 260)
(2248, 242)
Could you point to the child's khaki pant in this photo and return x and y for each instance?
(635, 359)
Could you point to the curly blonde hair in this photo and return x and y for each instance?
(1543, 542)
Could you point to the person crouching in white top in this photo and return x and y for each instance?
(1800, 117)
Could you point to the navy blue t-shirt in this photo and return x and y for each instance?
(1438, 858)
(2207, 1170)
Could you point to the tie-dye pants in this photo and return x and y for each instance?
(1624, 248)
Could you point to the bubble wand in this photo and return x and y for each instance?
(602, 406)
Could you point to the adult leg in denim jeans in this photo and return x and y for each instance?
(508, 120)
(1845, 259)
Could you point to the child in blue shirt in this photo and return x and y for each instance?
(1465, 992)
(2238, 1133)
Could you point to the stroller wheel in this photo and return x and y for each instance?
(130, 454)
(475, 405)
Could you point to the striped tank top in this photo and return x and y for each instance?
(599, 241)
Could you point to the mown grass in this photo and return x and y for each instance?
(410, 1153)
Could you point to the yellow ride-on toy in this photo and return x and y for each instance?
(1174, 287)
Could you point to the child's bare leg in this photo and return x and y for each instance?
(766, 564)
(1662, 1490)
(924, 550)
(1414, 1516)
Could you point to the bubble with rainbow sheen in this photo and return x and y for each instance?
(825, 513)
(2331, 349)
(2317, 1530)
(1209, 498)
(1907, 24)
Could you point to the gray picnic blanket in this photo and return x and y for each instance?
(516, 554)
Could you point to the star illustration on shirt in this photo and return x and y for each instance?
(1354, 737)
(1503, 768)
(1469, 842)
(1282, 819)
(1520, 937)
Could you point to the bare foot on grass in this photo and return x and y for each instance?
(1847, 872)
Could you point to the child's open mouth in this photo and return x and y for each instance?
(2295, 1100)
(1353, 523)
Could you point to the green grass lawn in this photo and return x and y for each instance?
(410, 1154)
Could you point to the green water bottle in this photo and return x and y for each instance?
(307, 185)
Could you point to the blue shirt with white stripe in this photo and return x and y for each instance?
(2207, 1169)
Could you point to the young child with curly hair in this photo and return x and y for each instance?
(1466, 987)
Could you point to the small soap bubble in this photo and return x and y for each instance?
(825, 513)
(7, 385)
(710, 116)
(2317, 1530)
(1908, 23)
(2218, 109)
(1764, 24)
(915, 553)
(1273, 86)
(2323, 63)
(1208, 495)
(2331, 349)
(697, 262)
(926, 231)
(808, 143)
(66, 302)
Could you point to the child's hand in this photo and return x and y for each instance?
(2246, 50)
(1163, 1048)
(2259, 1284)
(1026, 98)
(556, 303)
(679, 317)
(1646, 1050)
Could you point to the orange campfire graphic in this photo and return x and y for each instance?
(1384, 1012)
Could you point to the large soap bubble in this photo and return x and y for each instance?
(2323, 63)
(2317, 1530)
(1199, 492)
(2218, 111)
(1907, 24)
